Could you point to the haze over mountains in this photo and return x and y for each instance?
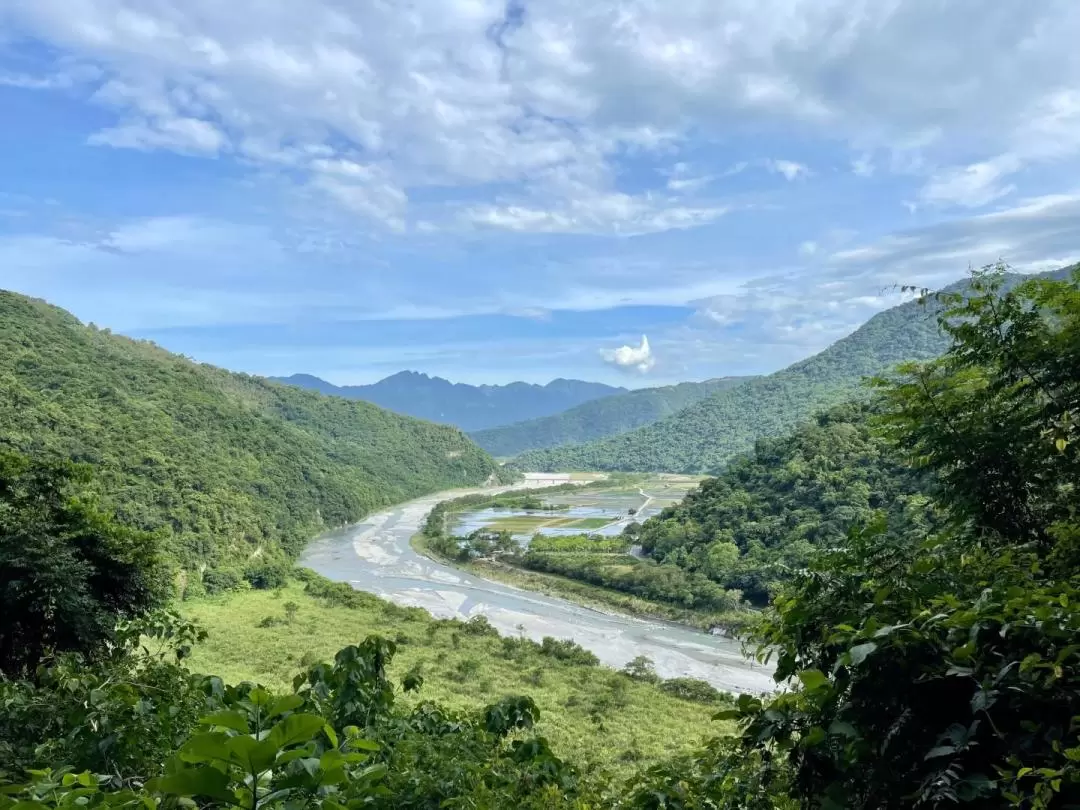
(469, 407)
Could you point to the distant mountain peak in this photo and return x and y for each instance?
(470, 407)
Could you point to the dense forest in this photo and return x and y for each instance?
(918, 667)
(469, 407)
(771, 509)
(237, 472)
(599, 418)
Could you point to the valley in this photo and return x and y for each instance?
(375, 556)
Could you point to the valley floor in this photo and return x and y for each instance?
(375, 556)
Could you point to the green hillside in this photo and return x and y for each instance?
(767, 512)
(702, 437)
(236, 470)
(599, 418)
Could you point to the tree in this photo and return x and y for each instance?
(947, 672)
(68, 572)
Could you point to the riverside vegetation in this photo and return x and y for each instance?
(935, 669)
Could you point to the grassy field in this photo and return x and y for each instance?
(527, 524)
(590, 713)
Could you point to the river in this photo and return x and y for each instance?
(375, 556)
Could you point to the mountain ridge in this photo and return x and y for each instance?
(703, 436)
(469, 407)
(599, 418)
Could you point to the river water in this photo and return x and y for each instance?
(375, 556)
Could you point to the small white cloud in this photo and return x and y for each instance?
(188, 135)
(808, 248)
(789, 168)
(863, 166)
(633, 358)
(972, 186)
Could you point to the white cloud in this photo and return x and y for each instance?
(436, 99)
(808, 248)
(632, 358)
(972, 186)
(789, 168)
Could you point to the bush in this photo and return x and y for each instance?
(221, 580)
(568, 650)
(641, 669)
(267, 577)
(694, 690)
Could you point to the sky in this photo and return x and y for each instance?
(632, 191)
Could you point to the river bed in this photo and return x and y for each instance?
(375, 556)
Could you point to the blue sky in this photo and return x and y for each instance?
(493, 191)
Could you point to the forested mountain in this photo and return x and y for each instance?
(770, 509)
(236, 470)
(602, 417)
(469, 407)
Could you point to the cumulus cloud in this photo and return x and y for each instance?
(469, 94)
(631, 358)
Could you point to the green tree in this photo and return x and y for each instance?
(947, 672)
(68, 572)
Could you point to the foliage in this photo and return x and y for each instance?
(946, 672)
(764, 516)
(337, 740)
(232, 469)
(644, 578)
(479, 544)
(598, 418)
(68, 571)
(587, 543)
(649, 721)
(469, 407)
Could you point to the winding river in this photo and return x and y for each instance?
(375, 556)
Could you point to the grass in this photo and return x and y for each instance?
(591, 714)
(589, 523)
(522, 524)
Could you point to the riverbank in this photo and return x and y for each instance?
(585, 594)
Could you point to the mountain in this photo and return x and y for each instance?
(703, 436)
(236, 470)
(768, 510)
(469, 407)
(601, 417)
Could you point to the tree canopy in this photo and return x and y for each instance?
(68, 572)
(238, 472)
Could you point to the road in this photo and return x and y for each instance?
(375, 556)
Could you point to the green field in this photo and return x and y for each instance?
(589, 713)
(522, 524)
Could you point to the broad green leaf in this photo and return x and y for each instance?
(209, 747)
(813, 679)
(237, 721)
(294, 729)
(285, 703)
(202, 780)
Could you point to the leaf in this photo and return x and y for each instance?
(237, 721)
(202, 780)
(860, 652)
(208, 747)
(842, 729)
(813, 679)
(940, 751)
(294, 729)
(285, 703)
